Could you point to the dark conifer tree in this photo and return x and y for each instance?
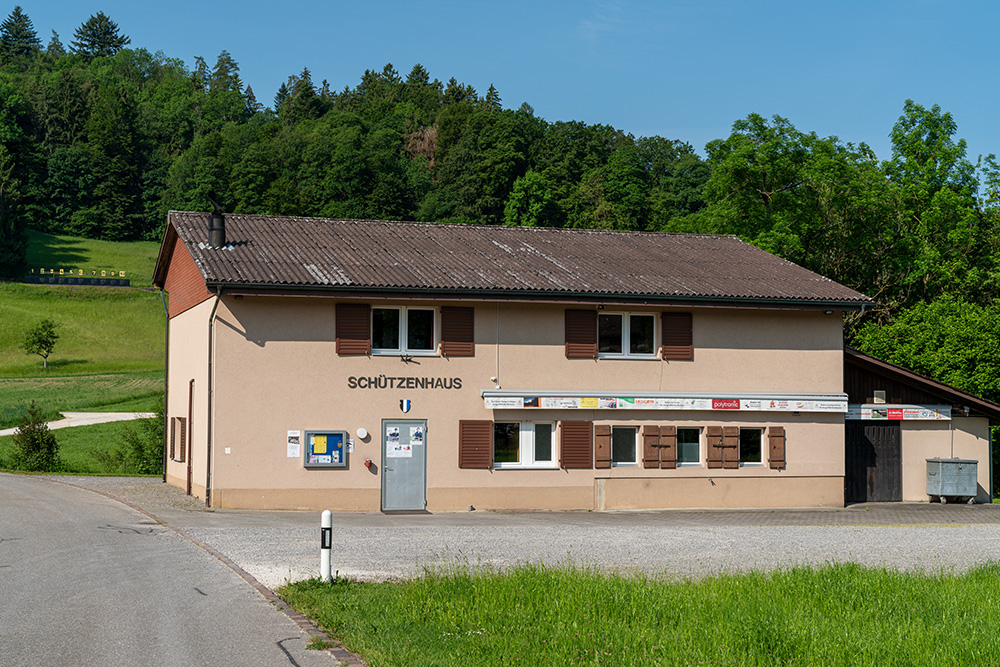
(98, 36)
(17, 34)
(492, 99)
(55, 47)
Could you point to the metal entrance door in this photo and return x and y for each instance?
(404, 464)
(874, 465)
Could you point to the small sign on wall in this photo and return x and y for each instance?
(325, 449)
(294, 444)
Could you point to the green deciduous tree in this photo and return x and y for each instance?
(98, 36)
(41, 340)
(35, 446)
(948, 339)
(531, 203)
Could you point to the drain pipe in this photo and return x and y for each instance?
(166, 380)
(211, 393)
(496, 379)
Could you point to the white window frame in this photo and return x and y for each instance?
(739, 454)
(635, 449)
(701, 447)
(403, 324)
(526, 447)
(626, 335)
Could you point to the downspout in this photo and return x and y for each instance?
(166, 381)
(208, 417)
(496, 379)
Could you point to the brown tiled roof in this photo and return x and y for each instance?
(268, 252)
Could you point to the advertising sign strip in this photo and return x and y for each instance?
(899, 412)
(723, 403)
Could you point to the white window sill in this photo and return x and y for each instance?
(640, 357)
(518, 466)
(751, 465)
(406, 353)
(688, 465)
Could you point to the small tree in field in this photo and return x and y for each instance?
(35, 447)
(40, 339)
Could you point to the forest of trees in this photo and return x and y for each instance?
(101, 140)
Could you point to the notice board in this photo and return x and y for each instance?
(325, 449)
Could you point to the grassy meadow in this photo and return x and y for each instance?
(109, 356)
(532, 615)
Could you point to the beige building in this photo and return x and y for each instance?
(367, 365)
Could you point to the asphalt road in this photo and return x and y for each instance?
(85, 580)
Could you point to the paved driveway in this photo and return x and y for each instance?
(279, 546)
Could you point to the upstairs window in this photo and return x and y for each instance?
(403, 331)
(626, 335)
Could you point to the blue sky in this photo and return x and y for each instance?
(681, 69)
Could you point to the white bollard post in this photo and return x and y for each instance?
(326, 544)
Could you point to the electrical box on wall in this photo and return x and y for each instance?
(325, 449)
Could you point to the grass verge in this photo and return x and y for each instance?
(532, 615)
(77, 445)
(111, 392)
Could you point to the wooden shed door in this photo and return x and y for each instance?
(874, 470)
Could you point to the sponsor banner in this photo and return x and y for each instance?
(687, 403)
(501, 402)
(899, 413)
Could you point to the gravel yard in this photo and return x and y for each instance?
(275, 547)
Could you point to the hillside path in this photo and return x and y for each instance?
(88, 418)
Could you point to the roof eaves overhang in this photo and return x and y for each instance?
(358, 292)
(167, 246)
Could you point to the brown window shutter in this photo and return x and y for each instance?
(731, 447)
(776, 446)
(457, 338)
(581, 334)
(602, 446)
(475, 443)
(668, 447)
(182, 455)
(714, 436)
(173, 436)
(354, 335)
(576, 444)
(677, 338)
(651, 446)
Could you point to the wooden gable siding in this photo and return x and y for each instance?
(184, 283)
(860, 385)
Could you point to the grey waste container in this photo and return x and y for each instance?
(952, 479)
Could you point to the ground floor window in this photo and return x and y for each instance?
(688, 446)
(750, 445)
(623, 445)
(522, 445)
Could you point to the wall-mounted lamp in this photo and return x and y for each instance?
(828, 312)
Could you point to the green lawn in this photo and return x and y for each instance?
(136, 258)
(834, 615)
(77, 445)
(109, 355)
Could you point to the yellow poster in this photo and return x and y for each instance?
(588, 403)
(319, 445)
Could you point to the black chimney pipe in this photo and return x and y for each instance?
(216, 226)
